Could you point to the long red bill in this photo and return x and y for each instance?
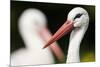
(64, 29)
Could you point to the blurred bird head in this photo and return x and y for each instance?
(32, 20)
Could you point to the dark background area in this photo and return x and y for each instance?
(56, 15)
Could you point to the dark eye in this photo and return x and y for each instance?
(77, 16)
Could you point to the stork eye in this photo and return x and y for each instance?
(78, 16)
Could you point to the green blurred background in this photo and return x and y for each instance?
(56, 15)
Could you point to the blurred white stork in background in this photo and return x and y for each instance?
(32, 28)
(77, 22)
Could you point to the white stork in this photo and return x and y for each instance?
(32, 28)
(77, 22)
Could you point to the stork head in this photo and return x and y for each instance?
(32, 20)
(77, 18)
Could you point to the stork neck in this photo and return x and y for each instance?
(74, 44)
(32, 40)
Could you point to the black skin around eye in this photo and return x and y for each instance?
(78, 16)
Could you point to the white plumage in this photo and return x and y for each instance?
(77, 22)
(31, 23)
(81, 25)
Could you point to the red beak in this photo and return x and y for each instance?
(64, 29)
